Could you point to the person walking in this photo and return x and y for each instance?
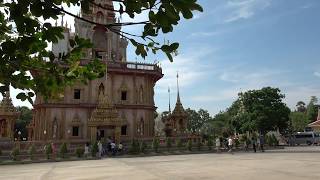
(54, 151)
(254, 143)
(86, 149)
(100, 149)
(113, 148)
(261, 143)
(230, 144)
(120, 147)
(218, 144)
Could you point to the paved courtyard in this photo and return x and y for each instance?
(247, 166)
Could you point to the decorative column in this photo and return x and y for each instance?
(93, 133)
(117, 133)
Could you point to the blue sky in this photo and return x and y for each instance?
(245, 44)
(237, 45)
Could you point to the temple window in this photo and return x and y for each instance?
(75, 131)
(76, 93)
(123, 130)
(123, 95)
(100, 17)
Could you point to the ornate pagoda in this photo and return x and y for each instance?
(8, 116)
(176, 122)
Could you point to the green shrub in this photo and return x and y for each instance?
(275, 141)
(169, 143)
(32, 151)
(237, 142)
(210, 143)
(142, 147)
(48, 149)
(79, 151)
(94, 149)
(189, 145)
(63, 150)
(268, 139)
(155, 144)
(14, 153)
(179, 144)
(135, 147)
(199, 145)
(244, 138)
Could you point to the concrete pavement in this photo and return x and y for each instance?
(239, 166)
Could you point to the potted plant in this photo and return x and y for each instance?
(189, 145)
(14, 153)
(63, 150)
(179, 144)
(94, 149)
(48, 150)
(32, 151)
(79, 151)
(155, 144)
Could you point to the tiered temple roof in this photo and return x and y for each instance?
(6, 106)
(105, 113)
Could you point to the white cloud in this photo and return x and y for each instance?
(194, 66)
(244, 9)
(307, 6)
(191, 67)
(317, 74)
(243, 80)
(206, 34)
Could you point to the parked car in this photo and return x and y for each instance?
(308, 138)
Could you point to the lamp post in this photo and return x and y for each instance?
(19, 135)
(69, 132)
(45, 136)
(139, 132)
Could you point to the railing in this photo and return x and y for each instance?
(128, 65)
(135, 66)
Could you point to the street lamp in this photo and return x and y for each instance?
(45, 135)
(19, 137)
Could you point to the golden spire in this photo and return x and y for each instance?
(169, 99)
(178, 95)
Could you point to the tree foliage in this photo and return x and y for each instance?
(255, 110)
(24, 40)
(312, 110)
(299, 121)
(197, 119)
(263, 110)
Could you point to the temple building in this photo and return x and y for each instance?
(176, 121)
(8, 116)
(119, 105)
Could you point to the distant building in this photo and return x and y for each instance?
(119, 105)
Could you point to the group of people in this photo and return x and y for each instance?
(230, 142)
(109, 147)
